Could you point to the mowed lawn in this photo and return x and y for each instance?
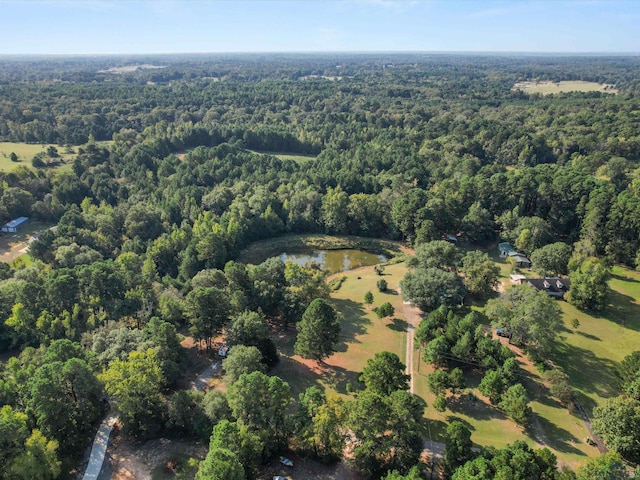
(25, 153)
(363, 334)
(589, 353)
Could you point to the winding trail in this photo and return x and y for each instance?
(101, 440)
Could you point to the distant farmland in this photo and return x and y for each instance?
(25, 153)
(547, 88)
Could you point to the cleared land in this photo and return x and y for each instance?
(26, 152)
(547, 88)
(13, 245)
(296, 157)
(589, 353)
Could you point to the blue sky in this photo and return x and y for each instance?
(180, 26)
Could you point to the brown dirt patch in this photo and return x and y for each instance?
(128, 459)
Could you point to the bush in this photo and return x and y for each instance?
(336, 283)
(382, 285)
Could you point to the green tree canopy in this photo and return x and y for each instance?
(242, 359)
(318, 331)
(457, 450)
(617, 421)
(135, 384)
(551, 259)
(428, 288)
(589, 285)
(384, 374)
(260, 403)
(532, 316)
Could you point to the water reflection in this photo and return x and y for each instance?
(335, 260)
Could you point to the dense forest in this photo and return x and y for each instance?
(175, 172)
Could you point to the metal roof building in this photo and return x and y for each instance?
(15, 225)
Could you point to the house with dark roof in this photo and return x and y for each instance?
(553, 286)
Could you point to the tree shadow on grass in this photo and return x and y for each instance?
(298, 375)
(477, 408)
(454, 418)
(339, 378)
(589, 336)
(354, 322)
(624, 278)
(623, 310)
(552, 435)
(587, 372)
(398, 325)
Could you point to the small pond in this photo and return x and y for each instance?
(335, 261)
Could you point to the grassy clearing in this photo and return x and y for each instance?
(552, 426)
(259, 251)
(300, 158)
(25, 152)
(363, 334)
(589, 353)
(547, 88)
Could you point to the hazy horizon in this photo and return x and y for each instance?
(164, 27)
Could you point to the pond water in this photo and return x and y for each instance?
(335, 261)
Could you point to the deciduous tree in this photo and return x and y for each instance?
(384, 374)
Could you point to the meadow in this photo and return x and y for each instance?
(26, 152)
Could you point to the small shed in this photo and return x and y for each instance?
(15, 225)
(516, 278)
(521, 261)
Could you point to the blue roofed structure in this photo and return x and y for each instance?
(14, 225)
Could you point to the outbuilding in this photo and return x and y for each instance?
(520, 261)
(14, 225)
(506, 249)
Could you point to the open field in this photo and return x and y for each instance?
(363, 334)
(547, 88)
(589, 353)
(25, 152)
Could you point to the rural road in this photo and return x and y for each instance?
(99, 448)
(101, 440)
(412, 316)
